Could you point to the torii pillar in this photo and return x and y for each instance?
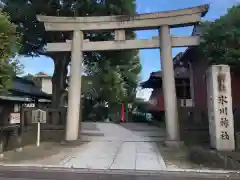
(169, 90)
(74, 91)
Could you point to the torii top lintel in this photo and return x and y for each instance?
(175, 18)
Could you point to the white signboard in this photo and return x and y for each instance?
(220, 112)
(29, 105)
(14, 118)
(39, 116)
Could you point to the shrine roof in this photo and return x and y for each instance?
(155, 79)
(24, 87)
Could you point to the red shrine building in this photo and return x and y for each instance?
(183, 90)
(191, 88)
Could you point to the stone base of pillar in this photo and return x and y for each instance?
(71, 143)
(19, 144)
(174, 144)
(19, 149)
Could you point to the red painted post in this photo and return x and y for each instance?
(122, 113)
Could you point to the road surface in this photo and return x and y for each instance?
(24, 173)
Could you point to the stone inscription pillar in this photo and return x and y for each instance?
(74, 91)
(169, 90)
(220, 113)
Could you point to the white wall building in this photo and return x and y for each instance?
(45, 82)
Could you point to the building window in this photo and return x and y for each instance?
(16, 108)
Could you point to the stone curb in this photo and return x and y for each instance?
(60, 168)
(83, 174)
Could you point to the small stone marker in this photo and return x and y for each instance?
(39, 116)
(220, 114)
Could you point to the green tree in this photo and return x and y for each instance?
(29, 77)
(88, 88)
(221, 39)
(18, 68)
(23, 13)
(8, 48)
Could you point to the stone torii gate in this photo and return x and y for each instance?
(161, 20)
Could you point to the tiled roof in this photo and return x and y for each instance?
(41, 74)
(179, 73)
(156, 77)
(27, 87)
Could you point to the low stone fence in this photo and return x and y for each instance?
(16, 141)
(192, 130)
(26, 132)
(195, 130)
(55, 117)
(195, 134)
(53, 130)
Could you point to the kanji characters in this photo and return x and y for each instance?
(221, 83)
(222, 99)
(224, 122)
(223, 111)
(224, 135)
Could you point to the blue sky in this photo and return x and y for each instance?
(150, 59)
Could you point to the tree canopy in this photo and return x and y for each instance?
(9, 46)
(221, 39)
(117, 71)
(29, 77)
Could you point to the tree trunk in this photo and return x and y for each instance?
(59, 78)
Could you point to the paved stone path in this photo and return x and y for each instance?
(112, 146)
(127, 132)
(117, 155)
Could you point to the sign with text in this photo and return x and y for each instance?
(220, 112)
(14, 118)
(39, 116)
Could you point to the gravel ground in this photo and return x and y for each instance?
(32, 152)
(177, 158)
